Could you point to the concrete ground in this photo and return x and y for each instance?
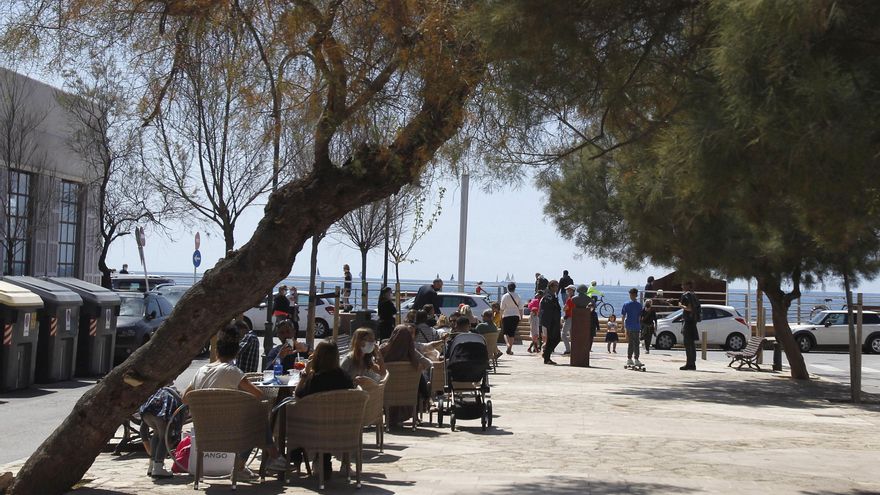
(602, 430)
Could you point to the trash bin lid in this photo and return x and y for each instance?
(16, 297)
(49, 292)
(91, 293)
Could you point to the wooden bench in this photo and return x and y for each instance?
(747, 356)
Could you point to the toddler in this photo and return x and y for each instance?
(611, 337)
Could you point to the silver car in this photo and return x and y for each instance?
(450, 301)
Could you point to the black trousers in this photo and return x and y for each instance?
(553, 339)
(689, 332)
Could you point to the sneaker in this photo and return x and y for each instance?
(629, 362)
(548, 361)
(638, 363)
(157, 470)
(510, 351)
(278, 464)
(688, 368)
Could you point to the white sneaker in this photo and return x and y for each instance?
(629, 362)
(638, 363)
(158, 471)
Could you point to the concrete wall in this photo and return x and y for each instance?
(52, 162)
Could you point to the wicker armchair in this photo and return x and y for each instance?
(328, 423)
(227, 421)
(373, 413)
(492, 346)
(437, 388)
(402, 389)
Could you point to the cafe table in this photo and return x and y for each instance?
(283, 394)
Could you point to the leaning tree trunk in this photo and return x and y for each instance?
(780, 303)
(240, 280)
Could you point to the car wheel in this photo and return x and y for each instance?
(874, 344)
(665, 341)
(804, 342)
(322, 329)
(736, 342)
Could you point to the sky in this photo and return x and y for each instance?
(507, 233)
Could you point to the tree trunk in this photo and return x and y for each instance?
(240, 280)
(364, 279)
(102, 265)
(229, 237)
(310, 318)
(855, 377)
(780, 302)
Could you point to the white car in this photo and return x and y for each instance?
(450, 301)
(724, 325)
(324, 309)
(831, 328)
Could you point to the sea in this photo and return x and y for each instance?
(743, 300)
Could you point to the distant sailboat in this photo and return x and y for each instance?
(452, 278)
(618, 282)
(496, 278)
(513, 277)
(318, 270)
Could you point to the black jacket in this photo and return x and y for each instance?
(281, 303)
(551, 311)
(427, 295)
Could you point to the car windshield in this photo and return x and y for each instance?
(817, 320)
(173, 295)
(132, 306)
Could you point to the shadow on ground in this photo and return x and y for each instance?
(563, 484)
(773, 392)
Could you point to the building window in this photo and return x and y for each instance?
(18, 222)
(67, 229)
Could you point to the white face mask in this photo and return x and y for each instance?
(367, 347)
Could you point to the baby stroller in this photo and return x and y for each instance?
(467, 386)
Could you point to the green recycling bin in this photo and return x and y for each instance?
(18, 319)
(97, 325)
(59, 322)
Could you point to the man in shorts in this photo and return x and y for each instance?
(511, 312)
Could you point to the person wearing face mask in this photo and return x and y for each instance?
(363, 359)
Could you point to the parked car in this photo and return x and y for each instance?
(724, 326)
(324, 309)
(136, 283)
(450, 301)
(139, 316)
(172, 293)
(831, 328)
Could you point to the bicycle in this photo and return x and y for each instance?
(605, 309)
(820, 307)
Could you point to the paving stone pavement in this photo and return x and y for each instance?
(603, 430)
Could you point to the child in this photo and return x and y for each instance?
(496, 314)
(611, 335)
(534, 322)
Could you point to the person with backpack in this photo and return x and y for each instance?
(690, 305)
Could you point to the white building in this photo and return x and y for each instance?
(48, 218)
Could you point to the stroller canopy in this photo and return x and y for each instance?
(467, 357)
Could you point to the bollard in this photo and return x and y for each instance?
(705, 344)
(777, 356)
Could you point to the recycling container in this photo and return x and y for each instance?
(363, 319)
(97, 324)
(59, 321)
(18, 318)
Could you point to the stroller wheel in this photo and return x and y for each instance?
(439, 418)
(489, 411)
(452, 422)
(483, 422)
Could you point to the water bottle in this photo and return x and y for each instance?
(278, 370)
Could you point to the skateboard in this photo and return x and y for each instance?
(634, 367)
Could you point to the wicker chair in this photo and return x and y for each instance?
(492, 346)
(227, 421)
(437, 388)
(402, 389)
(328, 423)
(373, 413)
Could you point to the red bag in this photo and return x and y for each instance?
(181, 456)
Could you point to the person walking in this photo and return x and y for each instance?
(649, 324)
(540, 282)
(511, 312)
(386, 310)
(281, 308)
(551, 314)
(564, 282)
(566, 311)
(649, 288)
(691, 308)
(428, 295)
(346, 287)
(611, 335)
(631, 312)
(535, 322)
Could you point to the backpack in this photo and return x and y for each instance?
(697, 308)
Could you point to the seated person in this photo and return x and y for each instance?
(432, 314)
(224, 374)
(424, 332)
(322, 374)
(156, 413)
(442, 326)
(401, 348)
(364, 358)
(487, 325)
(289, 349)
(467, 312)
(410, 317)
